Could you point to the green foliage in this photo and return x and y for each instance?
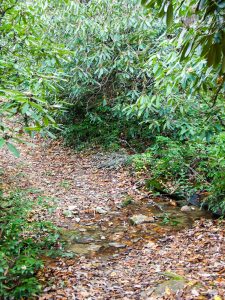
(103, 127)
(217, 173)
(110, 41)
(128, 64)
(126, 85)
(126, 79)
(108, 66)
(95, 129)
(173, 106)
(22, 242)
(186, 168)
(29, 70)
(202, 24)
(167, 219)
(189, 60)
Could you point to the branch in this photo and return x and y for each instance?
(217, 94)
(221, 121)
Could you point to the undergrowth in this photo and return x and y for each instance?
(185, 168)
(22, 243)
(103, 127)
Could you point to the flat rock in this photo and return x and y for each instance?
(83, 249)
(140, 219)
(94, 248)
(82, 229)
(173, 285)
(101, 210)
(117, 245)
(83, 239)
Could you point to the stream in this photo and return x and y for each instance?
(138, 223)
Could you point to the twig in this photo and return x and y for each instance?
(124, 141)
(217, 94)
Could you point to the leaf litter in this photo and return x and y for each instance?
(124, 261)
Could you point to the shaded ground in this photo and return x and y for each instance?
(116, 260)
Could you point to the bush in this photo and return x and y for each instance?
(101, 127)
(22, 243)
(187, 168)
(126, 85)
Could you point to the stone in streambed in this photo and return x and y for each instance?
(117, 245)
(82, 229)
(83, 239)
(101, 210)
(173, 285)
(82, 249)
(94, 248)
(161, 289)
(140, 219)
(186, 208)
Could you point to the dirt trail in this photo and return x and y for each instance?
(119, 261)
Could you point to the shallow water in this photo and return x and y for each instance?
(113, 232)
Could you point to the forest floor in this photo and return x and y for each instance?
(170, 255)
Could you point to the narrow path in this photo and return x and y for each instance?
(146, 261)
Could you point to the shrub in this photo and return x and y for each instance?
(22, 243)
(187, 168)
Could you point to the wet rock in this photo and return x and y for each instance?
(94, 248)
(140, 219)
(104, 228)
(197, 199)
(194, 200)
(83, 249)
(82, 229)
(117, 245)
(83, 239)
(114, 213)
(101, 210)
(173, 285)
(136, 240)
(186, 208)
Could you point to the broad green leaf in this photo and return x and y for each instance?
(33, 128)
(25, 108)
(169, 15)
(2, 142)
(13, 149)
(211, 56)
